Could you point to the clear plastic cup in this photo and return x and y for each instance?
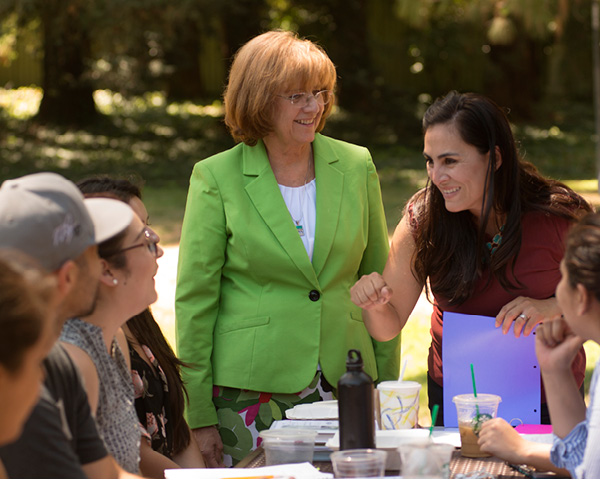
(288, 445)
(425, 460)
(359, 463)
(472, 412)
(399, 404)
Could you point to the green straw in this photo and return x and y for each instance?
(474, 390)
(434, 415)
(473, 378)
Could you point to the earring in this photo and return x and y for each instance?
(115, 281)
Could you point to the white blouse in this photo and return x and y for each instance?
(302, 205)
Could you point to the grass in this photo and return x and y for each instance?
(166, 206)
(146, 138)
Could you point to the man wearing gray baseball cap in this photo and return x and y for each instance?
(45, 216)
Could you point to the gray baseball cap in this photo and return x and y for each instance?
(45, 216)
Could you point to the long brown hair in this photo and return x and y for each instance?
(143, 326)
(146, 331)
(452, 244)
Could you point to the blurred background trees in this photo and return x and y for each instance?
(393, 56)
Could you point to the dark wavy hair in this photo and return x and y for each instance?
(450, 247)
(582, 254)
(143, 326)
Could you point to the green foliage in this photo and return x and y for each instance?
(388, 53)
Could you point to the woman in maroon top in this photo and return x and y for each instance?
(485, 236)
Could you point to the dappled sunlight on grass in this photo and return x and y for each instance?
(215, 110)
(140, 136)
(584, 186)
(109, 103)
(21, 103)
(397, 186)
(543, 133)
(565, 151)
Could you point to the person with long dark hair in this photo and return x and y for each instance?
(160, 394)
(485, 236)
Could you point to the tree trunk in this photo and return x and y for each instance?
(242, 21)
(350, 52)
(596, 76)
(183, 57)
(556, 87)
(68, 93)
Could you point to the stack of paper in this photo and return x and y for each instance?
(325, 410)
(325, 429)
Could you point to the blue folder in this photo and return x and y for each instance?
(504, 365)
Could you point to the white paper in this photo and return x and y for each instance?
(538, 437)
(325, 428)
(325, 410)
(290, 470)
(392, 439)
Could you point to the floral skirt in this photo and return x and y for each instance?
(243, 414)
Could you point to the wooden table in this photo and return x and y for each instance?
(493, 466)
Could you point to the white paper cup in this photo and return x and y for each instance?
(288, 445)
(399, 404)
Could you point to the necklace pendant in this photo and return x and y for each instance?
(300, 230)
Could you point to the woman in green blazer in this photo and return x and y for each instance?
(276, 231)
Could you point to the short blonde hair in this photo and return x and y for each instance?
(270, 64)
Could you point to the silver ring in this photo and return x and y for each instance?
(523, 316)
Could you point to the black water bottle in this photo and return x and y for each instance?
(355, 405)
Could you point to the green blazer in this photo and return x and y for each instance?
(252, 311)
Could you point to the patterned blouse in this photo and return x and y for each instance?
(152, 400)
(116, 418)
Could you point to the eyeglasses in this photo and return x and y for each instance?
(151, 243)
(301, 100)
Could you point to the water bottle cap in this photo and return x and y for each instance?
(354, 360)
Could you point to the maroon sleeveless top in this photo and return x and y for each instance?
(537, 268)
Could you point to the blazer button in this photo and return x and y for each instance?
(314, 295)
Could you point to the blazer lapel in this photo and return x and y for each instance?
(264, 193)
(330, 186)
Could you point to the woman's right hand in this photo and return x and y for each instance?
(370, 291)
(503, 441)
(556, 346)
(500, 439)
(211, 445)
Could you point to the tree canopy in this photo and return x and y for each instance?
(392, 56)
